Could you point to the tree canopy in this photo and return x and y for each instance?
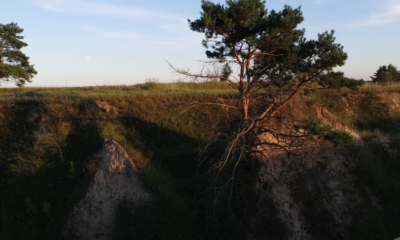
(274, 62)
(14, 65)
(269, 52)
(386, 74)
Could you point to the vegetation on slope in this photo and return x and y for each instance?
(41, 187)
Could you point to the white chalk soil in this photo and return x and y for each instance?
(116, 179)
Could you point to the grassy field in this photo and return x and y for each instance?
(371, 86)
(146, 89)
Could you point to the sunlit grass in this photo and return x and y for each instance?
(371, 86)
(369, 133)
(146, 89)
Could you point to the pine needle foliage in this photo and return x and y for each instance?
(386, 74)
(324, 132)
(14, 65)
(275, 63)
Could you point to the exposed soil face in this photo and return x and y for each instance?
(106, 107)
(314, 193)
(319, 195)
(116, 179)
(319, 186)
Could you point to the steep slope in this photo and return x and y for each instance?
(68, 168)
(323, 194)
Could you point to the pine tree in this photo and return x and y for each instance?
(386, 74)
(14, 65)
(270, 53)
(275, 62)
(226, 72)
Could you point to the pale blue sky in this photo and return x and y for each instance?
(103, 42)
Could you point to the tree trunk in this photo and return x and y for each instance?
(245, 104)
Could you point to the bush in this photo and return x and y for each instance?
(315, 128)
(339, 138)
(386, 74)
(311, 102)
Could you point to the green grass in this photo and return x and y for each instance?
(380, 87)
(146, 89)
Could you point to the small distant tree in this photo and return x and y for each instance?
(226, 72)
(14, 65)
(386, 74)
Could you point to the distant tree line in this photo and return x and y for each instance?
(386, 74)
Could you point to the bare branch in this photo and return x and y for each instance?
(195, 76)
(268, 109)
(189, 105)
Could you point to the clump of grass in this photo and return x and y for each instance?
(370, 133)
(311, 102)
(374, 114)
(324, 161)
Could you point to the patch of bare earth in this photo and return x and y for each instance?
(116, 179)
(303, 190)
(318, 183)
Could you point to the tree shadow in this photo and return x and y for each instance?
(37, 202)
